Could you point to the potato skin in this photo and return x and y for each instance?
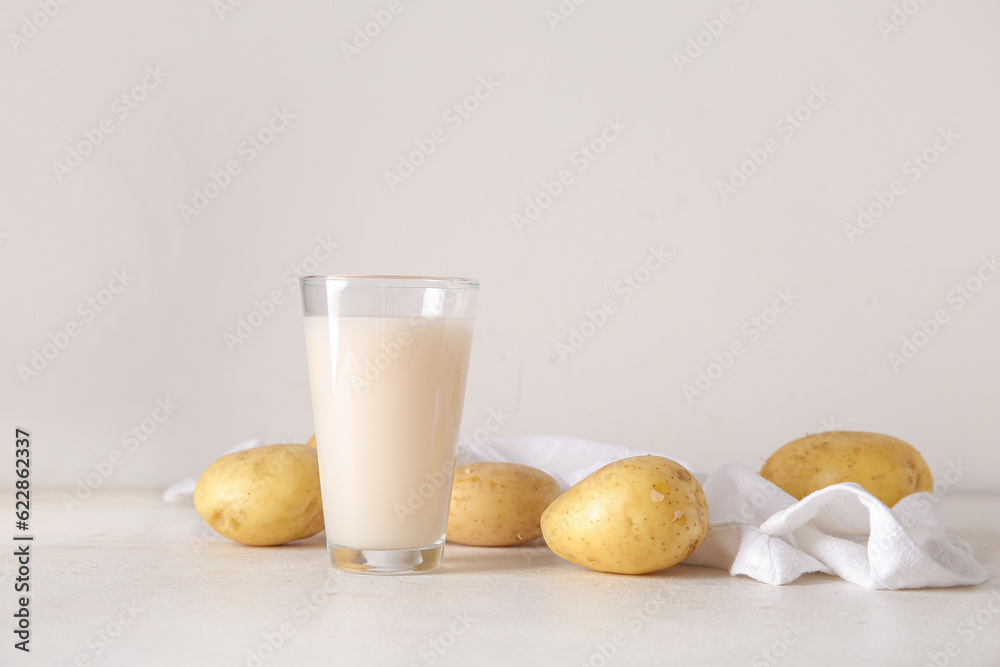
(886, 467)
(637, 515)
(262, 496)
(312, 442)
(498, 504)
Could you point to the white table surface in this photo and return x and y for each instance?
(127, 580)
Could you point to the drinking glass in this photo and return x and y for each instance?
(388, 359)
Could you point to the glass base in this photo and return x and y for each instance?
(386, 561)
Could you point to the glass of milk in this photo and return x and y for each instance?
(388, 359)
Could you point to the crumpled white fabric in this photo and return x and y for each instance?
(757, 529)
(760, 531)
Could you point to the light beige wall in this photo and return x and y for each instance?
(678, 129)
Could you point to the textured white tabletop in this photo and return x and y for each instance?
(126, 580)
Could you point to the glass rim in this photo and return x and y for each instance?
(417, 282)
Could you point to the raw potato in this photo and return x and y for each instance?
(262, 496)
(633, 516)
(885, 466)
(312, 442)
(498, 504)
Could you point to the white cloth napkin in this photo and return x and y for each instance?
(759, 530)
